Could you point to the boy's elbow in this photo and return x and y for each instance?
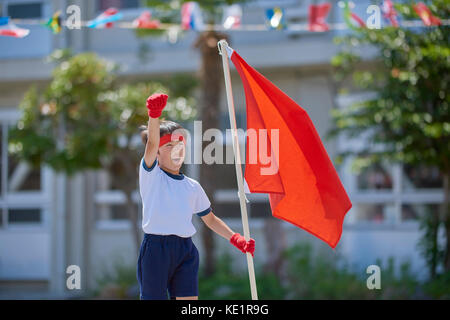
(209, 218)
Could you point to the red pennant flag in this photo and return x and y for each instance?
(360, 21)
(305, 190)
(109, 13)
(349, 16)
(425, 14)
(9, 29)
(317, 15)
(144, 21)
(390, 13)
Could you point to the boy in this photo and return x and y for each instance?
(168, 259)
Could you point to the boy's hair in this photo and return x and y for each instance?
(165, 127)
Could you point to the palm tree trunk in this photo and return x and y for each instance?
(276, 244)
(433, 229)
(133, 216)
(126, 174)
(211, 76)
(446, 219)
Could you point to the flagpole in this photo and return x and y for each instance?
(223, 45)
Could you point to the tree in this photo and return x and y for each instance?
(211, 84)
(85, 120)
(408, 121)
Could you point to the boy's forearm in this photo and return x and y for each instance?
(152, 145)
(153, 131)
(218, 226)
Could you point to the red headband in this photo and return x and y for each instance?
(170, 137)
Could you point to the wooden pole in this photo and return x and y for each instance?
(223, 50)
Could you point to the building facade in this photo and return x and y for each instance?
(49, 221)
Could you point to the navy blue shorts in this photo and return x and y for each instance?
(167, 263)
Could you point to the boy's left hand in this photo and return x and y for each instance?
(156, 103)
(245, 246)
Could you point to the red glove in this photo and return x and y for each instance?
(245, 246)
(156, 103)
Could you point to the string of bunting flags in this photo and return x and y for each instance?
(191, 19)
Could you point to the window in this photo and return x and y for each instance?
(113, 212)
(25, 10)
(387, 193)
(110, 200)
(376, 177)
(228, 210)
(21, 177)
(384, 194)
(377, 213)
(24, 216)
(24, 191)
(25, 209)
(119, 4)
(260, 209)
(39, 42)
(421, 177)
(414, 212)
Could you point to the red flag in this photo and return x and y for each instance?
(425, 14)
(317, 15)
(305, 190)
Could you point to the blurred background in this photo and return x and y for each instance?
(71, 103)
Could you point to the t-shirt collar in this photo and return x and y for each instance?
(179, 176)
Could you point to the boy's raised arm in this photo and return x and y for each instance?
(151, 148)
(155, 105)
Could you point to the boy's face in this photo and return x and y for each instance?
(171, 155)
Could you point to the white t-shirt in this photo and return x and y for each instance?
(169, 201)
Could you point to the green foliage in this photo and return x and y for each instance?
(429, 246)
(84, 117)
(116, 283)
(59, 55)
(127, 103)
(314, 276)
(409, 117)
(439, 288)
(308, 276)
(68, 109)
(33, 142)
(397, 285)
(317, 278)
(226, 283)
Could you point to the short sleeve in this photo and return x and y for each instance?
(146, 175)
(202, 203)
